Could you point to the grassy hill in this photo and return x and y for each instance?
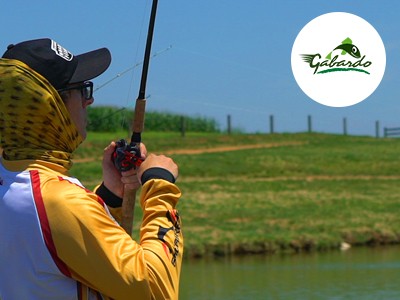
(274, 193)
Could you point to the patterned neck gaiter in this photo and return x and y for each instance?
(34, 122)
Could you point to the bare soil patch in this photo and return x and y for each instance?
(208, 150)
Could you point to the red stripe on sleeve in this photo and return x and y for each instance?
(79, 290)
(44, 223)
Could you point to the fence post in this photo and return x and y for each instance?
(309, 122)
(377, 129)
(344, 126)
(271, 124)
(229, 124)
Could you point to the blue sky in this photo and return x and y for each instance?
(227, 57)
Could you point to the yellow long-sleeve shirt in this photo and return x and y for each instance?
(60, 241)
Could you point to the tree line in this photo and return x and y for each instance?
(113, 119)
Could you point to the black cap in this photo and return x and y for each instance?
(59, 66)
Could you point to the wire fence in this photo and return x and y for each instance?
(387, 131)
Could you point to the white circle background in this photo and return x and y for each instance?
(322, 35)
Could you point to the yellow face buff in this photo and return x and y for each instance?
(34, 122)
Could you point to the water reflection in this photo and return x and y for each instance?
(363, 273)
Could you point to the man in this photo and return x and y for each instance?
(58, 240)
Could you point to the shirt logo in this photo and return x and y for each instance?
(173, 217)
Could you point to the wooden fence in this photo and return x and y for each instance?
(394, 131)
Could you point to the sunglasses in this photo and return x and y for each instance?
(86, 89)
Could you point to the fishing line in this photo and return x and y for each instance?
(124, 120)
(129, 104)
(225, 61)
(130, 68)
(221, 106)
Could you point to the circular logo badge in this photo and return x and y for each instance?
(338, 59)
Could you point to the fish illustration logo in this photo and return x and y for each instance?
(347, 47)
(337, 64)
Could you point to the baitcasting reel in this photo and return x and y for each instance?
(127, 156)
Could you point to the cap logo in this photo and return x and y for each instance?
(61, 51)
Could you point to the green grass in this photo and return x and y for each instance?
(308, 192)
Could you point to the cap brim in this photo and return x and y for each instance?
(91, 65)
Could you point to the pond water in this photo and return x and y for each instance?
(358, 273)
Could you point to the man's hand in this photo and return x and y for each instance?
(158, 161)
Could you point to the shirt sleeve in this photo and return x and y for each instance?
(98, 252)
(161, 237)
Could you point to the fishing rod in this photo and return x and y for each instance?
(127, 155)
